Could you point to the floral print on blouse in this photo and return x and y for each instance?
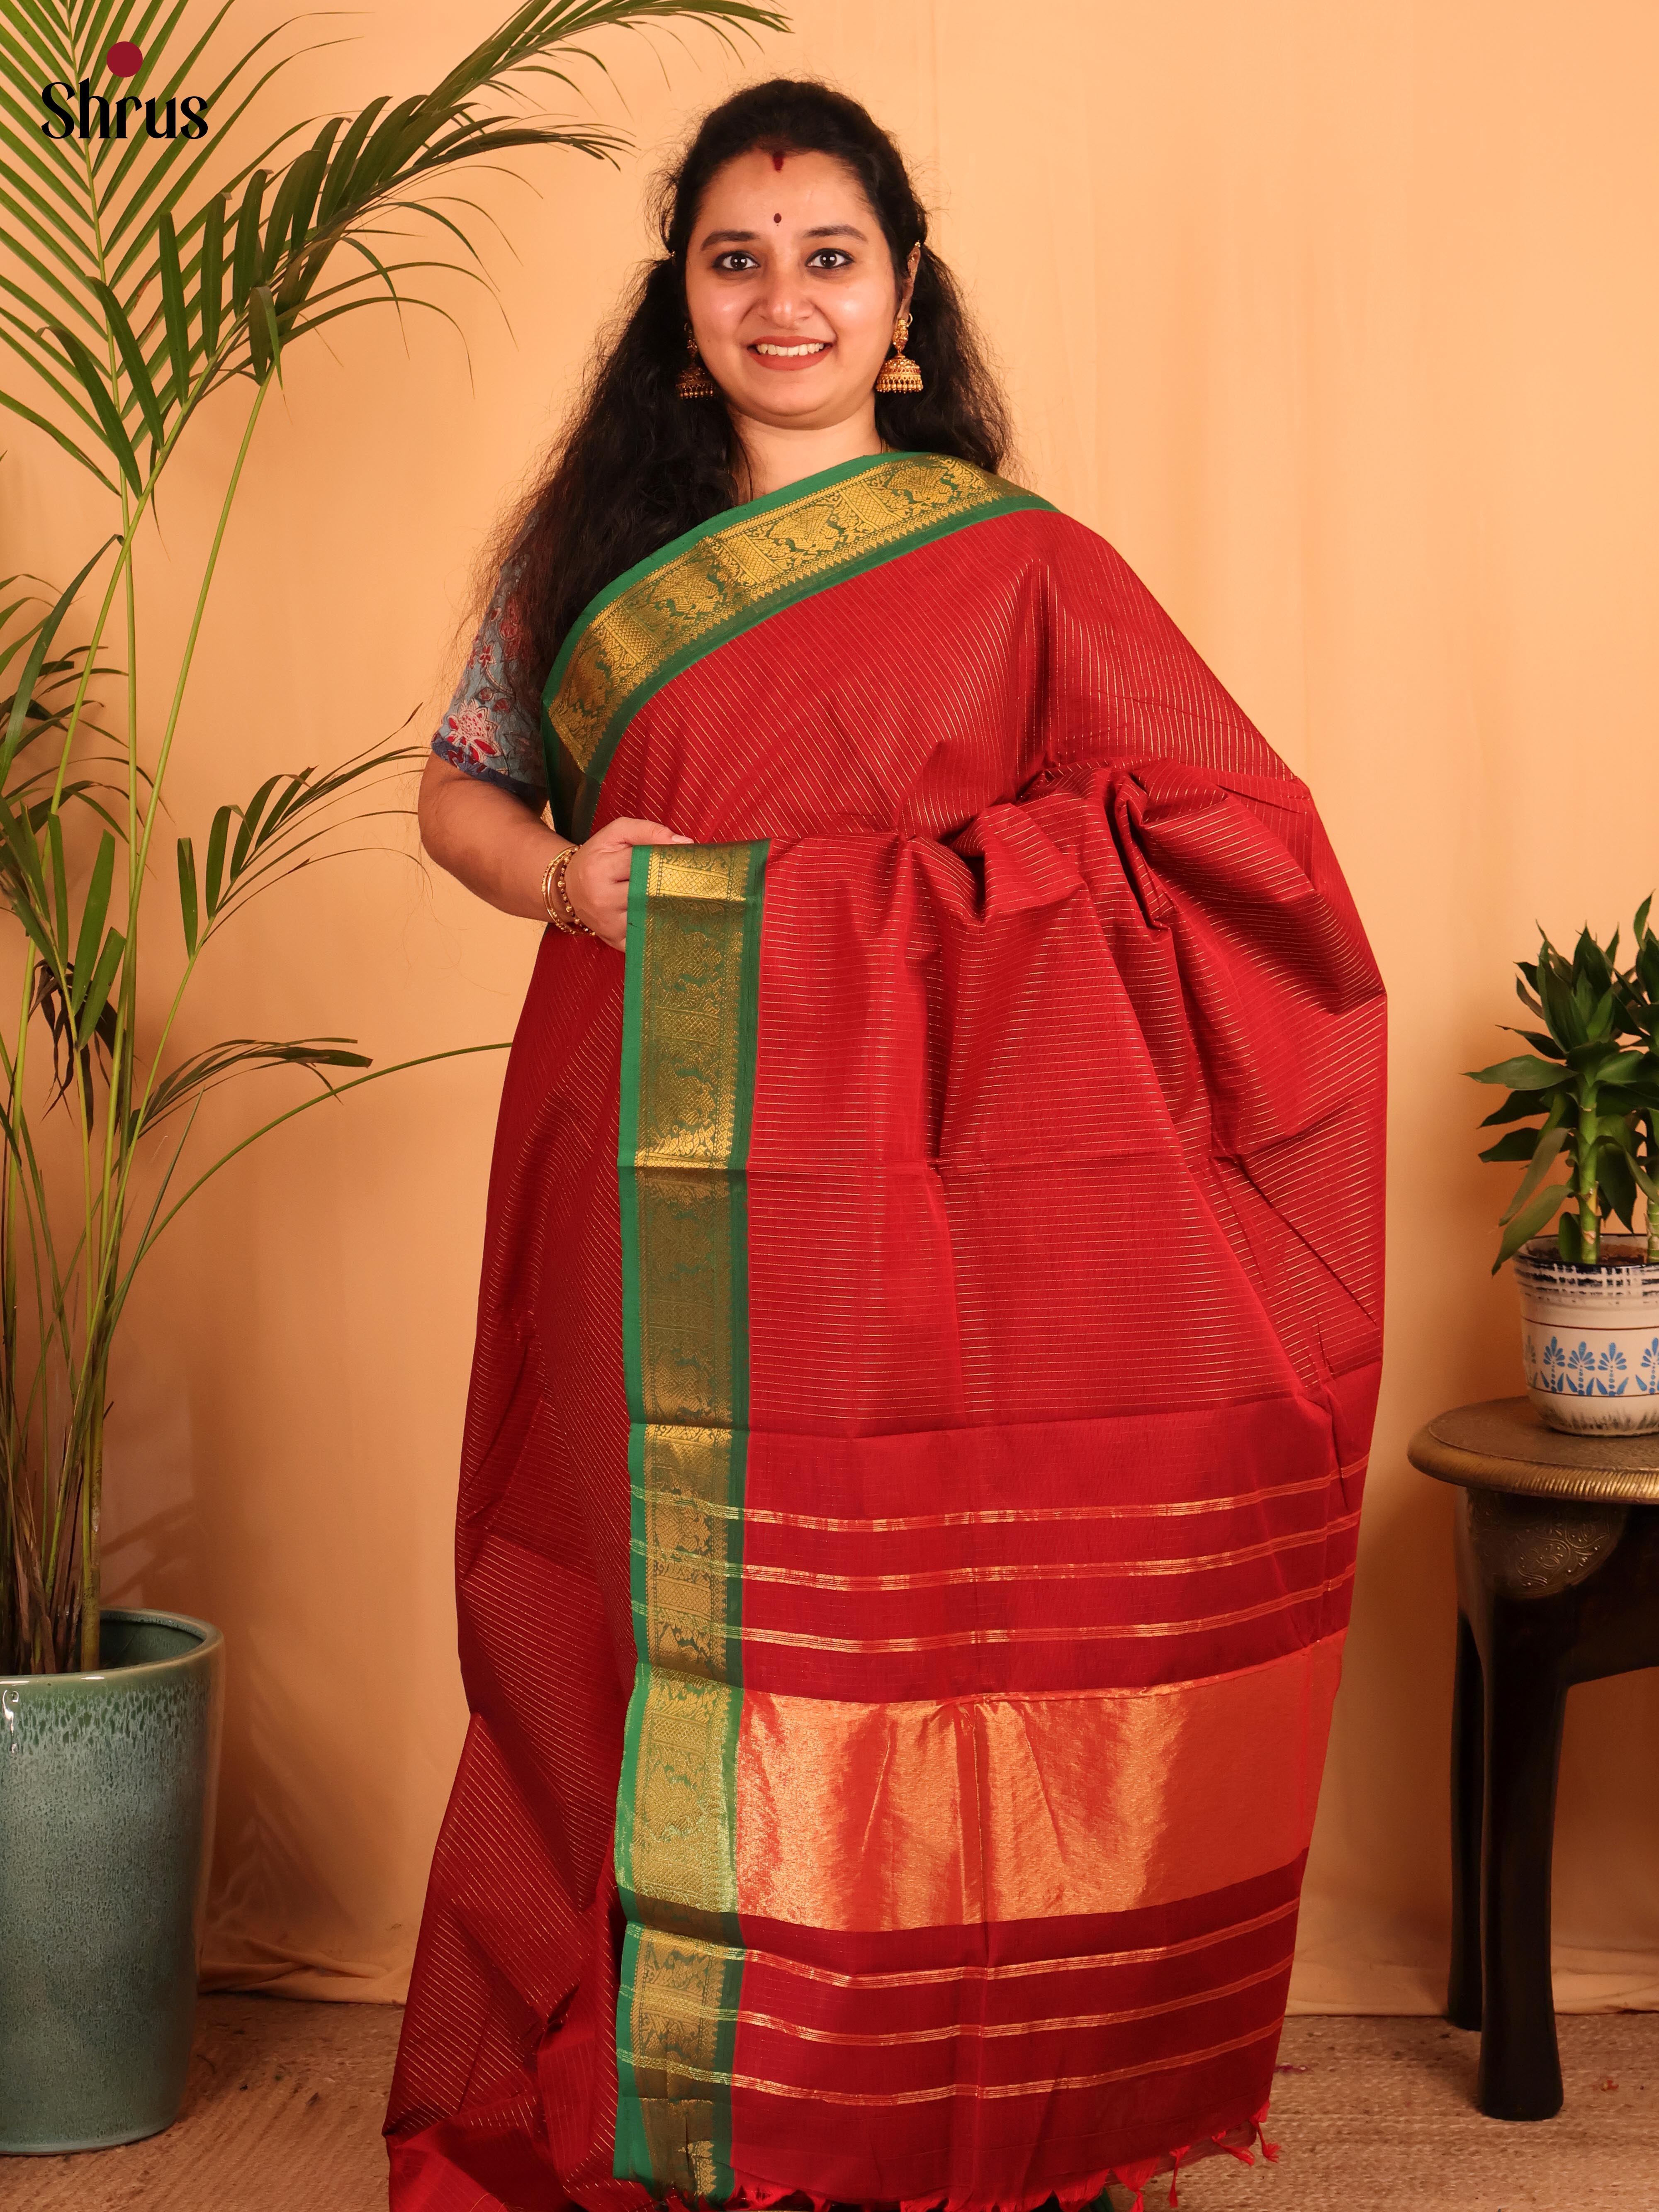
(485, 730)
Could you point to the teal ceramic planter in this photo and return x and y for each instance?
(106, 1793)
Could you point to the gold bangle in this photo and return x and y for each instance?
(553, 913)
(573, 925)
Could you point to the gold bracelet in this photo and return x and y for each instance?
(567, 918)
(553, 914)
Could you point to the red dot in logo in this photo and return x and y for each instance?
(123, 58)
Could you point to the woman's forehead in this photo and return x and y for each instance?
(751, 192)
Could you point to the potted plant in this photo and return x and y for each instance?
(146, 271)
(1584, 1102)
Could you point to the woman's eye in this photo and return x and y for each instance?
(735, 264)
(831, 257)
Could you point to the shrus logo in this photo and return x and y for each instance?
(69, 117)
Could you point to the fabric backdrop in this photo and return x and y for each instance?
(1339, 322)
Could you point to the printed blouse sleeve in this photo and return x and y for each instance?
(484, 731)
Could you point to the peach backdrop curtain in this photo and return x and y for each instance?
(1339, 321)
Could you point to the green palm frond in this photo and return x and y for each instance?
(139, 274)
(143, 273)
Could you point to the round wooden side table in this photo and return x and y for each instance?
(1558, 1583)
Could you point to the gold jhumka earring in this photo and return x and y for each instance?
(694, 381)
(898, 373)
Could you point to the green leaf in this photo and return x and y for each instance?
(210, 280)
(290, 210)
(1601, 1065)
(1515, 1107)
(1550, 1141)
(59, 437)
(115, 436)
(1555, 994)
(249, 830)
(316, 176)
(1639, 1097)
(60, 897)
(29, 677)
(39, 936)
(1618, 1187)
(1528, 1223)
(92, 916)
(345, 159)
(263, 337)
(1540, 1040)
(215, 859)
(1519, 1145)
(1569, 1239)
(187, 899)
(173, 309)
(97, 994)
(385, 151)
(133, 361)
(1608, 1132)
(1640, 926)
(1524, 1073)
(1590, 965)
(244, 265)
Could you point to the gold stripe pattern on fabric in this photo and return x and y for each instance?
(1036, 2088)
(992, 2030)
(797, 1639)
(730, 573)
(1017, 1969)
(845, 1525)
(674, 2022)
(1070, 1572)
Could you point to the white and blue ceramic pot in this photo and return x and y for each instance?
(1589, 1336)
(107, 1794)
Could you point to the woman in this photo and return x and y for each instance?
(929, 1334)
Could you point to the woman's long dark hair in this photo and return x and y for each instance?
(637, 464)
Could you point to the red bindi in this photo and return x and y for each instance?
(777, 218)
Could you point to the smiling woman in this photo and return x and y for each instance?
(793, 317)
(928, 1335)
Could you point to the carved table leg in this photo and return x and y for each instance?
(1467, 1789)
(1520, 2076)
(1525, 1568)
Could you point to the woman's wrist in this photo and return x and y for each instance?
(557, 898)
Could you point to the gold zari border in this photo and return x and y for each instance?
(732, 573)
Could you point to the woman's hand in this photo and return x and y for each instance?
(499, 846)
(596, 879)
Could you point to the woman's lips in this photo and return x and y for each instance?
(789, 353)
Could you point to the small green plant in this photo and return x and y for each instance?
(1589, 1090)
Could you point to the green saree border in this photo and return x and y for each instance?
(690, 1038)
(722, 578)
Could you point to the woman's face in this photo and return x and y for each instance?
(790, 286)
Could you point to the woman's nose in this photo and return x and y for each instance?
(785, 300)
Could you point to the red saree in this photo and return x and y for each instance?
(908, 1503)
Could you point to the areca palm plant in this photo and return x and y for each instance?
(159, 249)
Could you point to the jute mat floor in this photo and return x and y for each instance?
(284, 2115)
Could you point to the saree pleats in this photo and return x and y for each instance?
(932, 1500)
